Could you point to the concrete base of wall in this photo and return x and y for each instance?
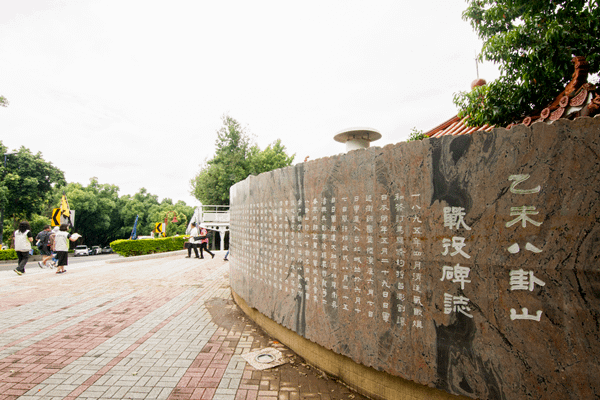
(367, 381)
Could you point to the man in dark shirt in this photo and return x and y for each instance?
(43, 238)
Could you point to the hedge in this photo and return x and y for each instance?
(127, 248)
(11, 254)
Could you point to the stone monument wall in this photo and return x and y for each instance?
(469, 263)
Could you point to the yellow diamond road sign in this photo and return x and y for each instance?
(58, 218)
(55, 216)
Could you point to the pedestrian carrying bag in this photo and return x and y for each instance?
(22, 241)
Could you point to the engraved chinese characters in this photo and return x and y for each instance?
(354, 254)
(451, 262)
(521, 279)
(453, 247)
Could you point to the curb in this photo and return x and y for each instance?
(151, 256)
(146, 257)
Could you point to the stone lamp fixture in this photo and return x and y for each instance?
(357, 138)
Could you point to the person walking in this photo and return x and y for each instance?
(192, 244)
(61, 246)
(22, 239)
(43, 239)
(204, 242)
(53, 232)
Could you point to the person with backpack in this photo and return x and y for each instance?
(53, 233)
(42, 241)
(22, 239)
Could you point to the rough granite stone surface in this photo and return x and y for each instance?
(466, 263)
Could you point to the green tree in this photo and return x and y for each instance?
(273, 157)
(37, 223)
(26, 185)
(150, 211)
(101, 216)
(139, 205)
(167, 210)
(533, 42)
(95, 205)
(235, 158)
(3, 101)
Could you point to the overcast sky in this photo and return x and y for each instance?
(132, 92)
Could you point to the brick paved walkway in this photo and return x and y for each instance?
(148, 329)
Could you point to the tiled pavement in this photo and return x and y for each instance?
(146, 329)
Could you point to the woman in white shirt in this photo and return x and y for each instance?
(192, 242)
(22, 239)
(61, 247)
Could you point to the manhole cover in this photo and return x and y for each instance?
(264, 358)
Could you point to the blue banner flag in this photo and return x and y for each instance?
(134, 231)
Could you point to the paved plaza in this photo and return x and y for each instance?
(149, 328)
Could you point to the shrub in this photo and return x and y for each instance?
(416, 134)
(127, 248)
(9, 254)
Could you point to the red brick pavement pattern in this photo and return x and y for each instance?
(294, 380)
(204, 375)
(37, 317)
(23, 370)
(26, 368)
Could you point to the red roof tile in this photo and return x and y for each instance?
(579, 99)
(455, 126)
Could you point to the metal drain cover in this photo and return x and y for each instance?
(264, 358)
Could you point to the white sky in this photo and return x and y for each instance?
(132, 92)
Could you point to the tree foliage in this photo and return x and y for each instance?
(235, 158)
(3, 101)
(31, 187)
(166, 210)
(533, 42)
(416, 134)
(273, 157)
(139, 204)
(101, 216)
(26, 183)
(95, 205)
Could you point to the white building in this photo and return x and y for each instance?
(215, 218)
